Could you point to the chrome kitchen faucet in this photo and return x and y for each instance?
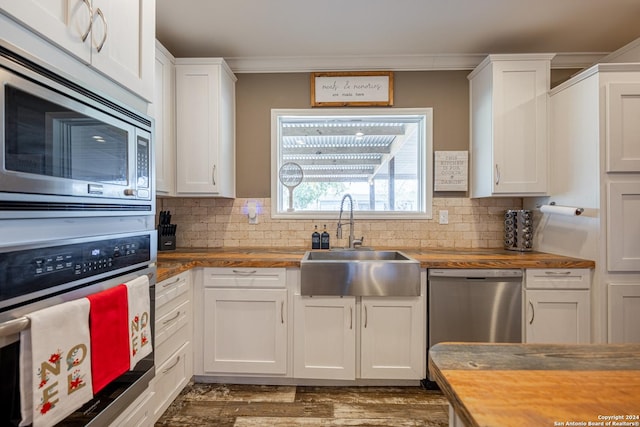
(353, 242)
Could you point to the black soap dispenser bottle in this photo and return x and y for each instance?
(324, 239)
(315, 239)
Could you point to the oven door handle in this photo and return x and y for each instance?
(14, 326)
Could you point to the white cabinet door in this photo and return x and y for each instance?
(245, 331)
(163, 111)
(115, 36)
(139, 413)
(623, 226)
(509, 125)
(557, 316)
(123, 42)
(623, 127)
(67, 23)
(171, 377)
(324, 338)
(624, 312)
(205, 128)
(392, 338)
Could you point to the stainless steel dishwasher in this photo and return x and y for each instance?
(474, 305)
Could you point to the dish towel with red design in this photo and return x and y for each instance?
(109, 335)
(55, 363)
(139, 319)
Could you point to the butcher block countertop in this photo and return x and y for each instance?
(174, 262)
(539, 384)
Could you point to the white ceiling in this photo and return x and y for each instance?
(322, 35)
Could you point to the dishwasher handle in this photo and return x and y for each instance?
(475, 273)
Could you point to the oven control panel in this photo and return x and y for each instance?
(32, 270)
(92, 258)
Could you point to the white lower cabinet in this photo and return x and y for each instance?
(245, 331)
(171, 377)
(391, 332)
(244, 322)
(557, 306)
(624, 312)
(324, 337)
(139, 413)
(173, 336)
(392, 338)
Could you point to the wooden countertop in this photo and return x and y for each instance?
(539, 384)
(174, 262)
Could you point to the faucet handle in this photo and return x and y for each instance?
(358, 242)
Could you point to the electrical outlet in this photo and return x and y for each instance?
(252, 212)
(444, 217)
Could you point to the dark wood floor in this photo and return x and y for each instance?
(250, 405)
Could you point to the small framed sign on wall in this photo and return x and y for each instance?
(356, 88)
(451, 170)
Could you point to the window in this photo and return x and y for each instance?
(378, 156)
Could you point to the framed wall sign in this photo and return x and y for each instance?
(450, 170)
(357, 88)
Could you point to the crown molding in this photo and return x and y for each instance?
(301, 64)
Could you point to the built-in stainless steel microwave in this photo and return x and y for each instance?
(67, 151)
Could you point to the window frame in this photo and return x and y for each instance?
(425, 184)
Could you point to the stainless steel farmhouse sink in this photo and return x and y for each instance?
(359, 273)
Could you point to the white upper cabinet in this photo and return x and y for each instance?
(508, 97)
(623, 127)
(123, 42)
(66, 23)
(205, 128)
(116, 37)
(163, 111)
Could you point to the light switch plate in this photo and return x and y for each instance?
(444, 217)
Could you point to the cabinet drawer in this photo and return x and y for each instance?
(244, 277)
(171, 378)
(172, 330)
(558, 278)
(171, 288)
(138, 414)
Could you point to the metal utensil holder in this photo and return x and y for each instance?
(518, 230)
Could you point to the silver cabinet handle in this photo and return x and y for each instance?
(350, 317)
(172, 283)
(213, 175)
(557, 273)
(533, 313)
(164, 371)
(83, 37)
(497, 174)
(366, 317)
(106, 29)
(244, 273)
(172, 319)
(282, 312)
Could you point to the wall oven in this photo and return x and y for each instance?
(34, 276)
(67, 151)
